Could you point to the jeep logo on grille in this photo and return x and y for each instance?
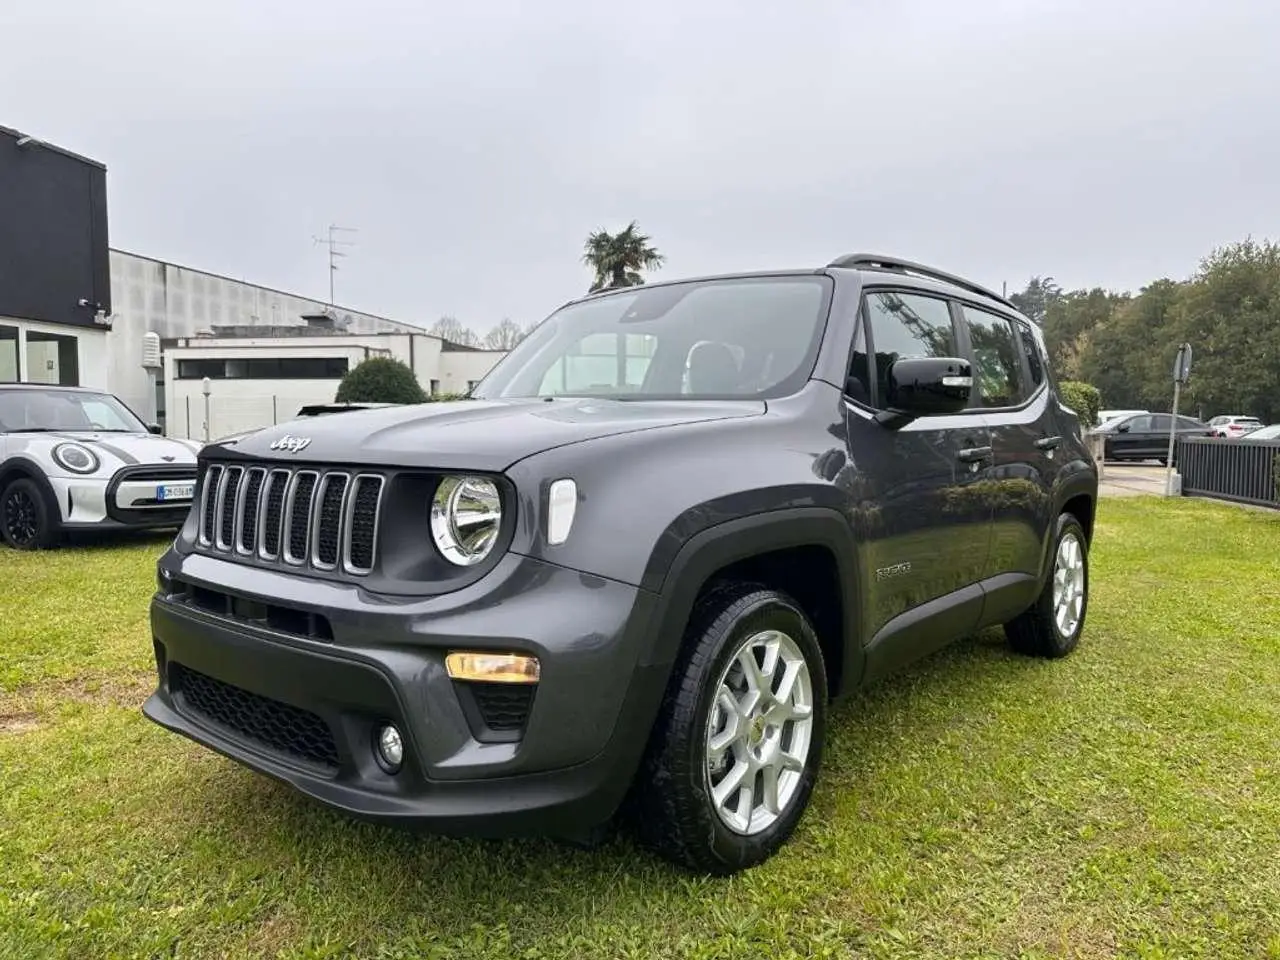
(290, 444)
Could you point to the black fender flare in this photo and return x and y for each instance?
(24, 467)
(718, 546)
(1082, 481)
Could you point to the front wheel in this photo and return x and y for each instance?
(1053, 624)
(25, 519)
(737, 746)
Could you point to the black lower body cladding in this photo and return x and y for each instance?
(245, 670)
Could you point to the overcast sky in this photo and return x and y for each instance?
(474, 148)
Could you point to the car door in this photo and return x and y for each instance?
(1155, 442)
(916, 501)
(1010, 390)
(1131, 437)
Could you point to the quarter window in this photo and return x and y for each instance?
(906, 325)
(1031, 350)
(997, 359)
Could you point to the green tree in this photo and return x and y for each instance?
(1083, 398)
(1123, 359)
(617, 259)
(1071, 321)
(1033, 302)
(380, 380)
(1230, 313)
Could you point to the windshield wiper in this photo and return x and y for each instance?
(37, 430)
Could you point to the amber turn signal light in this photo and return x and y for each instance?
(493, 667)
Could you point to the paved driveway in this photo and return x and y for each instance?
(1130, 480)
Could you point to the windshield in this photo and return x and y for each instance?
(756, 337)
(54, 409)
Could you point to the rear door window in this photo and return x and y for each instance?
(997, 359)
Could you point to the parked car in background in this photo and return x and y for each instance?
(1233, 426)
(1269, 432)
(79, 459)
(1145, 436)
(1105, 416)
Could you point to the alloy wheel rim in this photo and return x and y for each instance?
(758, 733)
(20, 517)
(1068, 585)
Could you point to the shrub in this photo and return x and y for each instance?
(1083, 398)
(380, 380)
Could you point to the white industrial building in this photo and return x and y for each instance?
(264, 375)
(265, 352)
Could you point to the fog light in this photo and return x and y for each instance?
(389, 748)
(493, 667)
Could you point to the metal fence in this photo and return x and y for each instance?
(1240, 470)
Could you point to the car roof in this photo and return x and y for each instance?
(870, 268)
(14, 385)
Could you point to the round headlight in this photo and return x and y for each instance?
(466, 513)
(74, 457)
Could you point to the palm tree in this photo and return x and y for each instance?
(617, 259)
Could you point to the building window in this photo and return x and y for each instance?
(265, 368)
(9, 369)
(54, 359)
(435, 388)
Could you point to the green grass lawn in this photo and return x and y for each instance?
(1122, 802)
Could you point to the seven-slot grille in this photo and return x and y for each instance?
(323, 519)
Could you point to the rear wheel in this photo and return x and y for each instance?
(1053, 624)
(25, 519)
(737, 746)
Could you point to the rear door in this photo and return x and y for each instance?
(1011, 390)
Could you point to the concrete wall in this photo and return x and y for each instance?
(238, 405)
(459, 369)
(176, 301)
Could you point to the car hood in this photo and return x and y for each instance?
(484, 435)
(126, 449)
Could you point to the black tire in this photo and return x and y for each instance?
(26, 521)
(1037, 632)
(673, 806)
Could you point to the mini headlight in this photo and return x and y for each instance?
(76, 458)
(466, 514)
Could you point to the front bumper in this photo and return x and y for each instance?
(292, 677)
(118, 503)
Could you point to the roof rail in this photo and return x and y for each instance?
(875, 261)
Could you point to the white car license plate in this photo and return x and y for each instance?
(175, 491)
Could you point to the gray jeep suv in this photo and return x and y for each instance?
(629, 574)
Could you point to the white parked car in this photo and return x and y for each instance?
(1269, 432)
(79, 459)
(1233, 426)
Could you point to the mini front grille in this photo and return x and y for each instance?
(322, 519)
(265, 722)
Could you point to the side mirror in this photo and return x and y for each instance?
(927, 386)
(154, 428)
(1123, 428)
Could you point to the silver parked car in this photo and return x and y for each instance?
(78, 459)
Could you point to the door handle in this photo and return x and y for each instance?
(974, 454)
(1048, 443)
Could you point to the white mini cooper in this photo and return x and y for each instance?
(79, 459)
